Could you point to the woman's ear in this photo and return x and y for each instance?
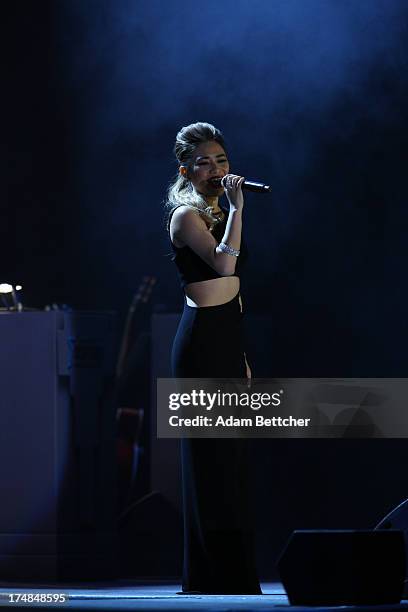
(183, 171)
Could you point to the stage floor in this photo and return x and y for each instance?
(131, 595)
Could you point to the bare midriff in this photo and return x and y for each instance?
(212, 292)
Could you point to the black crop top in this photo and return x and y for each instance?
(192, 268)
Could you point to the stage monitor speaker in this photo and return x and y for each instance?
(343, 567)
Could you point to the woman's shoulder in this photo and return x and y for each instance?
(185, 214)
(183, 210)
(184, 220)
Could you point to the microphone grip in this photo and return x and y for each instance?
(256, 187)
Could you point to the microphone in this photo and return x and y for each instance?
(251, 186)
(256, 187)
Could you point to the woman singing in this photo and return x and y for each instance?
(208, 252)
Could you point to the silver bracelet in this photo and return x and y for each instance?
(228, 250)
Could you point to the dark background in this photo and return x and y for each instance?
(312, 98)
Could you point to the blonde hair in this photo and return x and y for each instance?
(181, 191)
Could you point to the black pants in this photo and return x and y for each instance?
(218, 525)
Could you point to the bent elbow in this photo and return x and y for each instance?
(224, 264)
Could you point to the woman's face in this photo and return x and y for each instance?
(209, 162)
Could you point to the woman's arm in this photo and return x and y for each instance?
(190, 229)
(232, 237)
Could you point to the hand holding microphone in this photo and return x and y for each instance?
(231, 182)
(254, 186)
(233, 190)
